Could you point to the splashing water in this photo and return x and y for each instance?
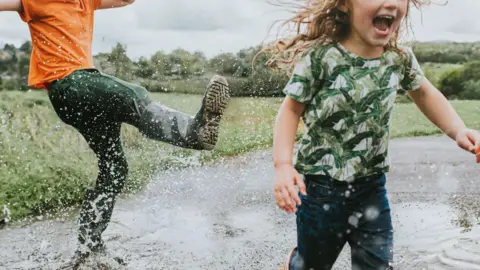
(354, 219)
(7, 218)
(7, 213)
(371, 213)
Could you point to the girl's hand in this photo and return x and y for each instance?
(286, 177)
(469, 140)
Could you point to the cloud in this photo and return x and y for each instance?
(12, 29)
(454, 21)
(216, 26)
(187, 15)
(212, 26)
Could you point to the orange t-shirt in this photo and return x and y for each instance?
(61, 33)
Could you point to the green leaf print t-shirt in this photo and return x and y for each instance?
(348, 103)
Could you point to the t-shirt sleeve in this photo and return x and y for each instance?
(413, 76)
(25, 12)
(300, 86)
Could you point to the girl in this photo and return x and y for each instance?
(347, 69)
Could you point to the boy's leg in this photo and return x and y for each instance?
(103, 136)
(321, 228)
(132, 104)
(200, 131)
(371, 241)
(99, 202)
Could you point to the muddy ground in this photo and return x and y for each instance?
(224, 217)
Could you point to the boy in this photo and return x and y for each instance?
(97, 104)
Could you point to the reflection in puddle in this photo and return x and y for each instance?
(189, 237)
(426, 238)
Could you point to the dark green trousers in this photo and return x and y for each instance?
(97, 104)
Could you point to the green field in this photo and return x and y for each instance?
(433, 71)
(45, 165)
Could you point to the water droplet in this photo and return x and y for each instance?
(371, 213)
(353, 220)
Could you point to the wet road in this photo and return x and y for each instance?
(224, 217)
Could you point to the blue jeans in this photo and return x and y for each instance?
(334, 213)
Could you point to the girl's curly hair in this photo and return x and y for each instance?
(317, 22)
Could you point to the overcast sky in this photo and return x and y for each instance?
(216, 26)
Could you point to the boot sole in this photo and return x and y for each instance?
(216, 101)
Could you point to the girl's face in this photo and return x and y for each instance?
(373, 22)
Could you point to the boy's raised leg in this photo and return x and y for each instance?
(123, 102)
(198, 132)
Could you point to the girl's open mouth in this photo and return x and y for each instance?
(383, 24)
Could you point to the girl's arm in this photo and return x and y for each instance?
(440, 112)
(285, 131)
(286, 177)
(11, 5)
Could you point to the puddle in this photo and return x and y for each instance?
(224, 217)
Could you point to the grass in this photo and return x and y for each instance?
(408, 121)
(433, 71)
(46, 165)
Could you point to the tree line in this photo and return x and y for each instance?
(188, 72)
